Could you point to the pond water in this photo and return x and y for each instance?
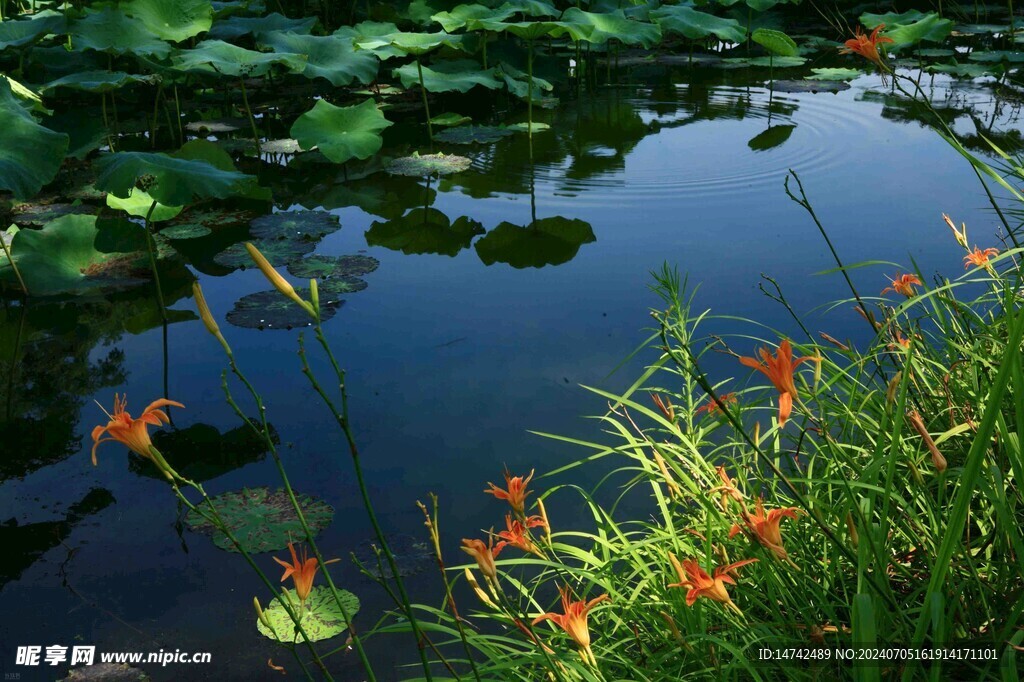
(453, 359)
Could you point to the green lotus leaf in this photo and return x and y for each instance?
(307, 226)
(329, 267)
(424, 230)
(931, 28)
(966, 70)
(321, 617)
(220, 58)
(213, 154)
(174, 20)
(548, 241)
(138, 204)
(261, 520)
(469, 16)
(934, 52)
(28, 96)
(600, 28)
(97, 81)
(890, 19)
(236, 27)
(449, 119)
(333, 58)
(695, 25)
(776, 42)
(277, 251)
(830, 74)
(186, 231)
(997, 56)
(455, 76)
(63, 258)
(415, 44)
(534, 30)
(368, 30)
(111, 30)
(473, 134)
(531, 8)
(774, 136)
(215, 218)
(811, 86)
(526, 126)
(31, 154)
(272, 310)
(428, 165)
(341, 133)
(27, 30)
(283, 146)
(776, 62)
(40, 214)
(518, 82)
(169, 180)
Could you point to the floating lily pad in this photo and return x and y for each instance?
(277, 251)
(186, 231)
(829, 74)
(321, 617)
(774, 62)
(424, 231)
(450, 119)
(284, 146)
(273, 310)
(261, 520)
(548, 241)
(473, 134)
(215, 218)
(40, 214)
(527, 127)
(812, 86)
(428, 164)
(294, 225)
(327, 267)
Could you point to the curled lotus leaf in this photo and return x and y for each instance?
(173, 20)
(294, 225)
(428, 164)
(473, 134)
(273, 310)
(31, 154)
(97, 81)
(260, 519)
(327, 267)
(321, 618)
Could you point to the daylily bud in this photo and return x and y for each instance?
(207, 317)
(673, 489)
(894, 385)
(547, 524)
(673, 628)
(275, 278)
(757, 434)
(961, 237)
(481, 595)
(854, 538)
(314, 294)
(937, 459)
(259, 613)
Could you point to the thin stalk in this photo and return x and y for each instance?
(151, 247)
(177, 110)
(252, 121)
(14, 266)
(156, 112)
(426, 104)
(529, 96)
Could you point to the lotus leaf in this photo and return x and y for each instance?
(277, 251)
(111, 30)
(261, 520)
(693, 24)
(775, 136)
(428, 164)
(25, 31)
(31, 154)
(830, 74)
(533, 127)
(533, 30)
(424, 230)
(966, 70)
(415, 44)
(531, 8)
(272, 310)
(40, 214)
(97, 81)
(321, 618)
(776, 62)
(333, 58)
(294, 225)
(186, 231)
(469, 16)
(207, 127)
(220, 58)
(452, 76)
(174, 20)
(473, 134)
(518, 83)
(368, 30)
(236, 27)
(930, 27)
(327, 267)
(449, 119)
(283, 146)
(548, 241)
(600, 28)
(997, 56)
(138, 204)
(341, 133)
(213, 154)
(776, 42)
(169, 180)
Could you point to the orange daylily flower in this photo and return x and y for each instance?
(484, 555)
(700, 584)
(132, 432)
(573, 620)
(728, 488)
(713, 406)
(779, 370)
(867, 46)
(514, 493)
(979, 258)
(765, 526)
(665, 405)
(301, 572)
(517, 534)
(903, 284)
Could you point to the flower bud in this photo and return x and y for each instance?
(275, 278)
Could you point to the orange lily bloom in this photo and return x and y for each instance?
(715, 405)
(728, 488)
(484, 555)
(665, 405)
(132, 432)
(779, 370)
(573, 620)
(301, 572)
(517, 534)
(903, 284)
(979, 257)
(514, 493)
(765, 527)
(701, 584)
(867, 46)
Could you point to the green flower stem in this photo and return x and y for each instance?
(150, 246)
(252, 120)
(343, 422)
(14, 266)
(426, 104)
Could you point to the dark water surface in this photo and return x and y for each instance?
(452, 361)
